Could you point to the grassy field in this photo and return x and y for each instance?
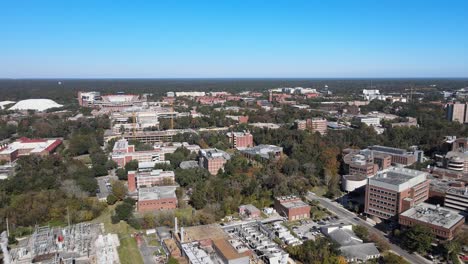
(128, 250)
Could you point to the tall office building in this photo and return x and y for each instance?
(394, 191)
(457, 112)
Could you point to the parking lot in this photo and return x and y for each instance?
(105, 186)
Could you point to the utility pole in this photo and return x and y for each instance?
(68, 216)
(7, 228)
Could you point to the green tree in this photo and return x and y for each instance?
(122, 174)
(111, 199)
(119, 190)
(362, 232)
(391, 258)
(124, 211)
(417, 238)
(131, 165)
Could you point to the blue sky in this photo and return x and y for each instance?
(176, 38)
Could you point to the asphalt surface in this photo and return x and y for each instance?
(147, 252)
(350, 217)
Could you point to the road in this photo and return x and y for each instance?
(353, 219)
(146, 252)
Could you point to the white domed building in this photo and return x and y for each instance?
(35, 104)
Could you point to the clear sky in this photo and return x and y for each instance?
(176, 38)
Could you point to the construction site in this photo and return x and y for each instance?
(80, 243)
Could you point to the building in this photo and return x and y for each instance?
(213, 160)
(137, 180)
(411, 122)
(443, 222)
(87, 99)
(457, 199)
(351, 247)
(370, 94)
(457, 160)
(369, 120)
(457, 112)
(292, 207)
(240, 139)
(352, 182)
(26, 146)
(249, 211)
(156, 198)
(123, 153)
(399, 156)
(190, 94)
(263, 151)
(229, 254)
(360, 165)
(155, 136)
(313, 124)
(265, 125)
(395, 190)
(111, 102)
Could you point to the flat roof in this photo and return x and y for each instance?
(227, 250)
(433, 214)
(295, 204)
(201, 232)
(156, 193)
(398, 179)
(262, 150)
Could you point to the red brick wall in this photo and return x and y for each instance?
(156, 205)
(445, 233)
(131, 182)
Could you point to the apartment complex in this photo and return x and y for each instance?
(213, 159)
(240, 139)
(395, 190)
(292, 207)
(313, 124)
(443, 222)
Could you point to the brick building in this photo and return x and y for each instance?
(394, 191)
(240, 139)
(137, 180)
(213, 159)
(399, 156)
(313, 124)
(249, 211)
(292, 207)
(443, 222)
(156, 198)
(26, 146)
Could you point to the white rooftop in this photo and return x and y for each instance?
(156, 193)
(398, 179)
(433, 214)
(35, 104)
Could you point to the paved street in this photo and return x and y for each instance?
(346, 215)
